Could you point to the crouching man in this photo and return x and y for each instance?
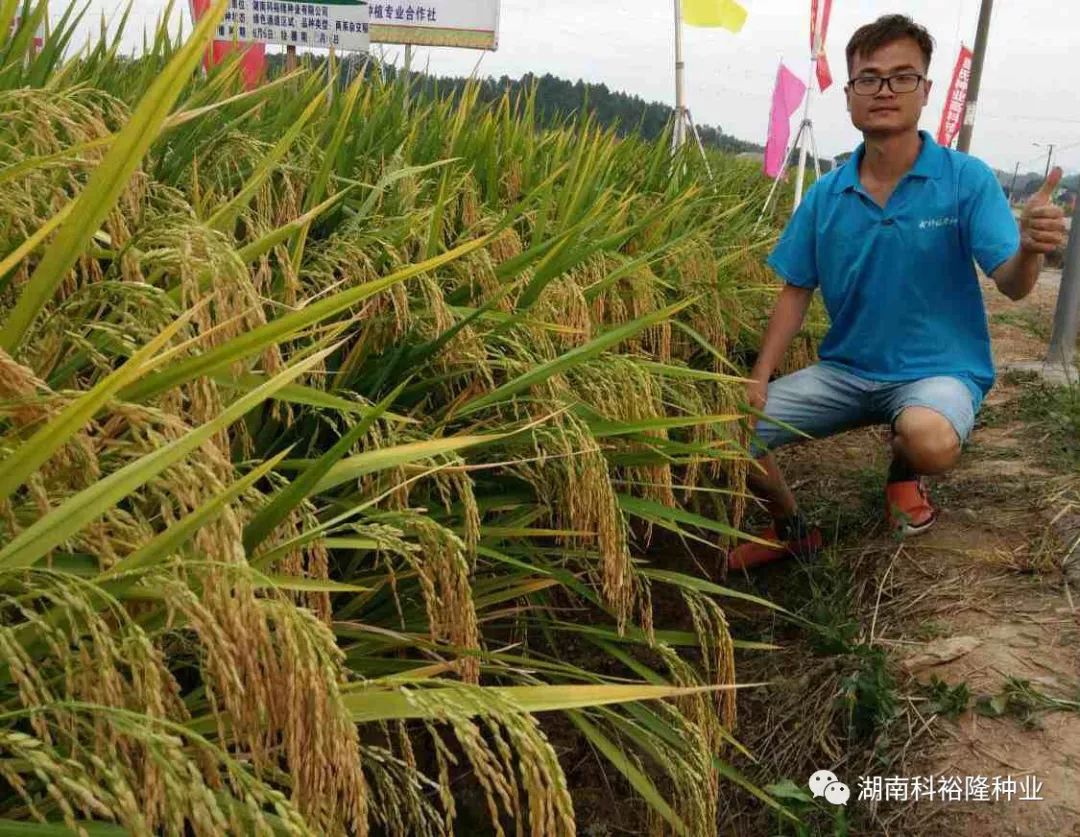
(891, 239)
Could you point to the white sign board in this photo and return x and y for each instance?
(341, 24)
(453, 23)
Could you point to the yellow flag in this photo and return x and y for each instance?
(725, 13)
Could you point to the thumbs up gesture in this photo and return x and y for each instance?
(1042, 224)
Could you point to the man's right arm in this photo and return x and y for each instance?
(786, 320)
(794, 260)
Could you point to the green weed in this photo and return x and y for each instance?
(950, 701)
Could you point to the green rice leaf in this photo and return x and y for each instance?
(701, 585)
(310, 585)
(305, 484)
(368, 703)
(381, 459)
(604, 429)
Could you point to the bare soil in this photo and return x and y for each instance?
(1027, 621)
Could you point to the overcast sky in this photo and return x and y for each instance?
(1029, 87)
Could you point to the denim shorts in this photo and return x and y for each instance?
(824, 400)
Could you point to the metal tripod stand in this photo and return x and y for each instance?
(684, 128)
(802, 136)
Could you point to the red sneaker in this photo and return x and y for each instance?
(908, 508)
(753, 554)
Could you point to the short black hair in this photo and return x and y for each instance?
(886, 30)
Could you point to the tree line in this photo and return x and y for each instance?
(557, 99)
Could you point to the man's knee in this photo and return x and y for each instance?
(927, 440)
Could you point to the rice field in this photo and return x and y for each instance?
(334, 421)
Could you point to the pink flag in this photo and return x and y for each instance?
(787, 97)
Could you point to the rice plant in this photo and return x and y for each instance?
(333, 418)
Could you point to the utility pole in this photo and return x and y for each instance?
(1012, 186)
(981, 37)
(1049, 156)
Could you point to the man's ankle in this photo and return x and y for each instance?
(901, 471)
(791, 527)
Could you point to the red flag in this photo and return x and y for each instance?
(824, 74)
(817, 44)
(253, 62)
(952, 116)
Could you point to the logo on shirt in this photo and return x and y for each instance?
(937, 223)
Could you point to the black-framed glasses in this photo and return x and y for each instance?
(898, 83)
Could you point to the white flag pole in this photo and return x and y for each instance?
(806, 135)
(679, 135)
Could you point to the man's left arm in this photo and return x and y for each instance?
(1042, 231)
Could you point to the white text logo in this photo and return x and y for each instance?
(936, 223)
(824, 783)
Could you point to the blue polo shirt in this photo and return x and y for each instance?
(899, 283)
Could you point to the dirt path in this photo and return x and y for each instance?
(996, 598)
(976, 621)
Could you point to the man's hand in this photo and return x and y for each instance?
(1042, 231)
(1042, 225)
(786, 320)
(757, 393)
